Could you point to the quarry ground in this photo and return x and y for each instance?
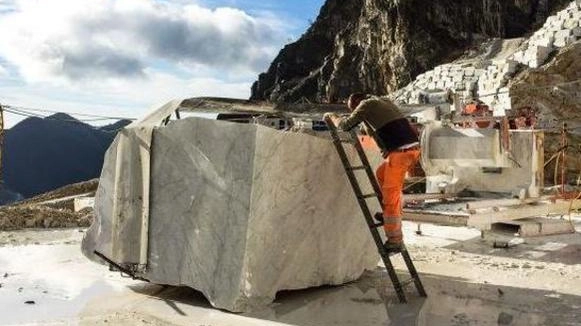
(44, 279)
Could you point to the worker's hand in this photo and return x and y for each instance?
(334, 117)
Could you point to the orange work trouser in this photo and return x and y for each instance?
(391, 175)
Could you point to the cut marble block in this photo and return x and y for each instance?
(545, 41)
(571, 23)
(518, 56)
(564, 41)
(537, 53)
(236, 211)
(563, 33)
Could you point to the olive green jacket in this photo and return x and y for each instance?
(374, 111)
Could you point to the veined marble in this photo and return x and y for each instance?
(236, 211)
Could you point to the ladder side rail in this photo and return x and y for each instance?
(368, 170)
(366, 213)
(413, 272)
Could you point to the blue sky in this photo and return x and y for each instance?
(122, 57)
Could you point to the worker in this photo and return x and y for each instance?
(399, 144)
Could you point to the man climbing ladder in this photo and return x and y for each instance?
(399, 144)
(387, 249)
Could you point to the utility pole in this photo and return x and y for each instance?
(1, 142)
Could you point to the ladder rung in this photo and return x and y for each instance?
(376, 225)
(353, 168)
(373, 195)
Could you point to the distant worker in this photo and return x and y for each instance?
(400, 148)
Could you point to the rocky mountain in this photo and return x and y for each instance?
(44, 154)
(378, 46)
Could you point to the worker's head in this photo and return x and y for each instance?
(355, 99)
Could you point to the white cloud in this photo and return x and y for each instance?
(3, 72)
(118, 97)
(90, 41)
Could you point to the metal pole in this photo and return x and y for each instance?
(1, 141)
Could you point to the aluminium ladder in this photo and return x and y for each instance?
(362, 199)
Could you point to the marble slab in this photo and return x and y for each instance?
(236, 211)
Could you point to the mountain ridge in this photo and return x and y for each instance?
(342, 52)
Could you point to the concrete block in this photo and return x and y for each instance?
(237, 211)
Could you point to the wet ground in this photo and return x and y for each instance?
(45, 280)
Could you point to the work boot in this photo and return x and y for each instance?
(392, 247)
(378, 217)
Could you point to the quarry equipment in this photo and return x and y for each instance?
(362, 198)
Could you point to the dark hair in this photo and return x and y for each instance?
(357, 97)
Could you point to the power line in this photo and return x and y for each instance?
(24, 113)
(71, 113)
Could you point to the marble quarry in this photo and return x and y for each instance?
(488, 80)
(235, 211)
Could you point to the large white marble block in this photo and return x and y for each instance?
(235, 211)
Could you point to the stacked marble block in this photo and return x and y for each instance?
(490, 84)
(491, 88)
(456, 77)
(558, 31)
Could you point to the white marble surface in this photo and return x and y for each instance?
(240, 212)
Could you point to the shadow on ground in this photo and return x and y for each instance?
(372, 301)
(564, 249)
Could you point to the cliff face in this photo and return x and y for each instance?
(378, 46)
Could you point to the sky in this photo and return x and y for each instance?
(123, 57)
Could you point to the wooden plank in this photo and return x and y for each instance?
(484, 221)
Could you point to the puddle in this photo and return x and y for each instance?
(55, 280)
(46, 307)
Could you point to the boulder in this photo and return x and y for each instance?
(235, 211)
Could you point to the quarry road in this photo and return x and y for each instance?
(45, 280)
